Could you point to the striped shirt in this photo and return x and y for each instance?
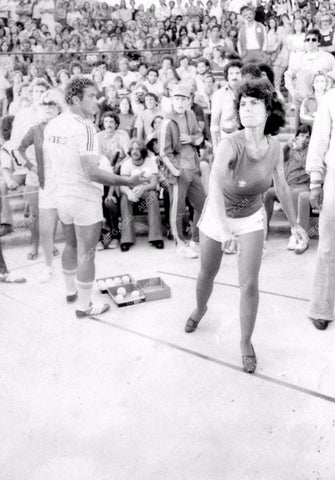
(69, 137)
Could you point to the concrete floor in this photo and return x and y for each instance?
(132, 397)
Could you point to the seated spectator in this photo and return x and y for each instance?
(126, 116)
(63, 78)
(75, 68)
(167, 62)
(144, 119)
(137, 98)
(112, 140)
(218, 63)
(124, 72)
(144, 195)
(310, 104)
(185, 69)
(295, 154)
(153, 84)
(110, 103)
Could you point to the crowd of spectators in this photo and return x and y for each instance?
(137, 55)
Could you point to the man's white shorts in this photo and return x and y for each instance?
(208, 223)
(77, 211)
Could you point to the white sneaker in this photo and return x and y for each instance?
(46, 275)
(186, 252)
(292, 243)
(195, 247)
(301, 247)
(113, 244)
(100, 247)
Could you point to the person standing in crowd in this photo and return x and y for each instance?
(179, 137)
(23, 121)
(70, 143)
(321, 168)
(300, 73)
(251, 37)
(51, 105)
(223, 115)
(244, 166)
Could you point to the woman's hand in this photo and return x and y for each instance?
(228, 241)
(315, 198)
(299, 233)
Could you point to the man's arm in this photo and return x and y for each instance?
(90, 164)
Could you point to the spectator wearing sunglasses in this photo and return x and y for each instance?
(300, 73)
(51, 104)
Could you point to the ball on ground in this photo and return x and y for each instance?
(121, 291)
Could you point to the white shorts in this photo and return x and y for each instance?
(77, 211)
(208, 223)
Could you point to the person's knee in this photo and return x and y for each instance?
(207, 274)
(249, 287)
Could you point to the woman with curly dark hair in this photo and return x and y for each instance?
(245, 163)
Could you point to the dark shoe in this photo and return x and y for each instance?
(158, 244)
(5, 229)
(72, 298)
(320, 324)
(125, 247)
(32, 255)
(192, 324)
(249, 362)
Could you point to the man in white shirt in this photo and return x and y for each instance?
(70, 142)
(251, 37)
(153, 84)
(223, 117)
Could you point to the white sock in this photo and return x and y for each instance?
(84, 295)
(70, 281)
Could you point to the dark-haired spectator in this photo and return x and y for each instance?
(144, 119)
(63, 78)
(251, 36)
(222, 220)
(300, 73)
(126, 116)
(309, 105)
(145, 194)
(198, 45)
(223, 115)
(75, 68)
(295, 154)
(218, 63)
(153, 84)
(185, 69)
(203, 66)
(272, 41)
